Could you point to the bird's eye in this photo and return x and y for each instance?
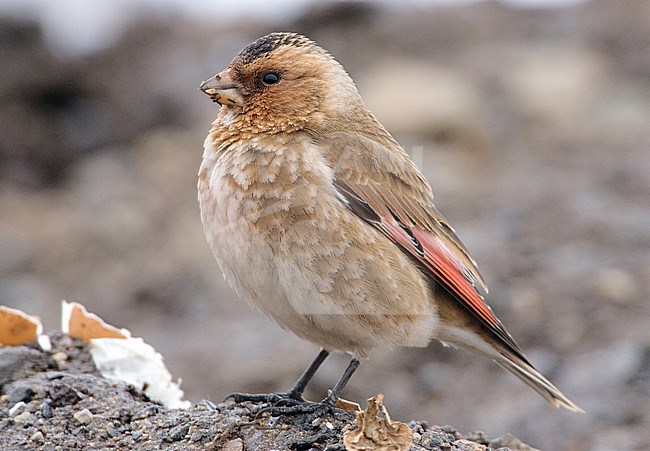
(270, 78)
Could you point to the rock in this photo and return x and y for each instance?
(37, 437)
(511, 442)
(179, 432)
(25, 418)
(17, 409)
(60, 358)
(120, 417)
(63, 394)
(83, 416)
(20, 393)
(51, 375)
(234, 445)
(17, 361)
(46, 410)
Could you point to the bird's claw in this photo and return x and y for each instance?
(313, 409)
(289, 397)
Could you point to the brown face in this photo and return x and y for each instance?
(281, 75)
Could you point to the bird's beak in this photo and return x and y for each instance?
(223, 89)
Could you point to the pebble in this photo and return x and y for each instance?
(146, 412)
(52, 375)
(37, 437)
(196, 436)
(466, 444)
(63, 395)
(234, 445)
(83, 416)
(60, 358)
(25, 417)
(20, 393)
(509, 441)
(179, 432)
(14, 358)
(17, 409)
(46, 410)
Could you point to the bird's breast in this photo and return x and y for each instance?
(289, 246)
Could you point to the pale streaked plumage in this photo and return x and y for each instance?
(319, 218)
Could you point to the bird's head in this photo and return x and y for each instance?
(284, 81)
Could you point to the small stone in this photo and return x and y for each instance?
(20, 393)
(146, 412)
(37, 437)
(234, 445)
(63, 395)
(468, 445)
(25, 417)
(179, 432)
(46, 410)
(17, 361)
(137, 435)
(196, 436)
(510, 441)
(83, 416)
(52, 375)
(17, 409)
(60, 358)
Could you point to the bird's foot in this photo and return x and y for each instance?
(314, 410)
(307, 407)
(289, 398)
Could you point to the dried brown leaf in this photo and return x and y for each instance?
(378, 433)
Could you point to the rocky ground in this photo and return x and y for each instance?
(531, 124)
(57, 401)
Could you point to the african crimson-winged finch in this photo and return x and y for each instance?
(320, 219)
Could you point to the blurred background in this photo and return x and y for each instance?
(530, 118)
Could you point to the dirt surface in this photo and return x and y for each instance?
(530, 124)
(57, 401)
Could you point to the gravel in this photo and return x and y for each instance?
(78, 409)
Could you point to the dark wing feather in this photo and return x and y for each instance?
(383, 186)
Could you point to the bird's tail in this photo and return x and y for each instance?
(535, 380)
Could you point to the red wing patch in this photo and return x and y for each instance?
(440, 261)
(435, 256)
(425, 246)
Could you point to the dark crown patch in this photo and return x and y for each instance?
(266, 44)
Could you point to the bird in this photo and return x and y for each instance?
(319, 219)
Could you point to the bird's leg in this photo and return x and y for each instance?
(325, 406)
(298, 388)
(342, 382)
(293, 395)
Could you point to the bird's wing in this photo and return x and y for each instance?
(384, 187)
